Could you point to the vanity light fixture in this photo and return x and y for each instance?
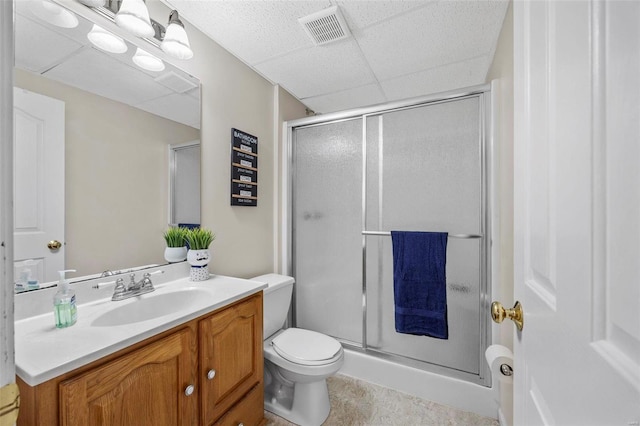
(175, 41)
(106, 40)
(133, 16)
(92, 3)
(53, 14)
(147, 61)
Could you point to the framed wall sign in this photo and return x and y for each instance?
(244, 169)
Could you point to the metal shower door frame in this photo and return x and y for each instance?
(482, 92)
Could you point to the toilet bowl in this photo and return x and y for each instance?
(297, 362)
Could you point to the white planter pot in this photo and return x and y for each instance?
(199, 261)
(199, 273)
(175, 254)
(198, 257)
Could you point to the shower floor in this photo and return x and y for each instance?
(358, 403)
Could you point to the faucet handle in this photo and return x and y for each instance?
(146, 281)
(120, 290)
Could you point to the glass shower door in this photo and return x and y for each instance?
(424, 173)
(413, 168)
(327, 222)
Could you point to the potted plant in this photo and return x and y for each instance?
(176, 250)
(198, 255)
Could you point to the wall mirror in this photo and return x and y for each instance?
(118, 124)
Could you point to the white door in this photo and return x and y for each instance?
(184, 183)
(38, 183)
(577, 212)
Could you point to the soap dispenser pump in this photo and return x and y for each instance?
(64, 303)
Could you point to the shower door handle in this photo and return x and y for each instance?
(515, 314)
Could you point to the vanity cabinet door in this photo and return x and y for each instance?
(231, 362)
(144, 387)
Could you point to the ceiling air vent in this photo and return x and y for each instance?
(325, 26)
(175, 82)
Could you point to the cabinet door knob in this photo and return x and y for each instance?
(240, 424)
(189, 390)
(211, 374)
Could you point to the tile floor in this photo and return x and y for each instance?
(358, 403)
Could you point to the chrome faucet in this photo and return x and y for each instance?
(134, 288)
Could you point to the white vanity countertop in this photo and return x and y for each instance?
(43, 352)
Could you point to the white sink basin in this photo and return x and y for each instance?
(105, 327)
(150, 306)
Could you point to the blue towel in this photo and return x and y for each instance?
(419, 283)
(189, 225)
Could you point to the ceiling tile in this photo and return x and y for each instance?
(346, 99)
(442, 33)
(94, 72)
(439, 79)
(398, 48)
(319, 70)
(38, 48)
(252, 30)
(390, 39)
(361, 14)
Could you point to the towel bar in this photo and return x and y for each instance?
(388, 233)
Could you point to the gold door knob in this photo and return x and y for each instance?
(54, 245)
(515, 314)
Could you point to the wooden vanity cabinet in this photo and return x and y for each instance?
(219, 354)
(231, 362)
(139, 388)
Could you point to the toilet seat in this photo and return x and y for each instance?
(306, 347)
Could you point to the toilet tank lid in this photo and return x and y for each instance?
(273, 281)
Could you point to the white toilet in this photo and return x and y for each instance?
(297, 362)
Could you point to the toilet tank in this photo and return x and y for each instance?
(276, 300)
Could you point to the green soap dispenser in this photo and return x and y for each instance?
(64, 303)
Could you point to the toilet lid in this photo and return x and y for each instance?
(306, 346)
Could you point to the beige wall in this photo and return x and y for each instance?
(289, 109)
(116, 175)
(502, 69)
(233, 96)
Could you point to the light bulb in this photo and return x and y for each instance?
(147, 61)
(92, 3)
(105, 40)
(133, 16)
(176, 42)
(53, 14)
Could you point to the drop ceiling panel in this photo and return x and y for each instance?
(433, 36)
(438, 79)
(319, 70)
(94, 72)
(38, 48)
(395, 49)
(252, 30)
(361, 14)
(347, 99)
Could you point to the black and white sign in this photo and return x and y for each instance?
(244, 169)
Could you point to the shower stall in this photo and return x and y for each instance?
(421, 165)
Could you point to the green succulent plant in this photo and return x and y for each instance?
(199, 238)
(175, 236)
